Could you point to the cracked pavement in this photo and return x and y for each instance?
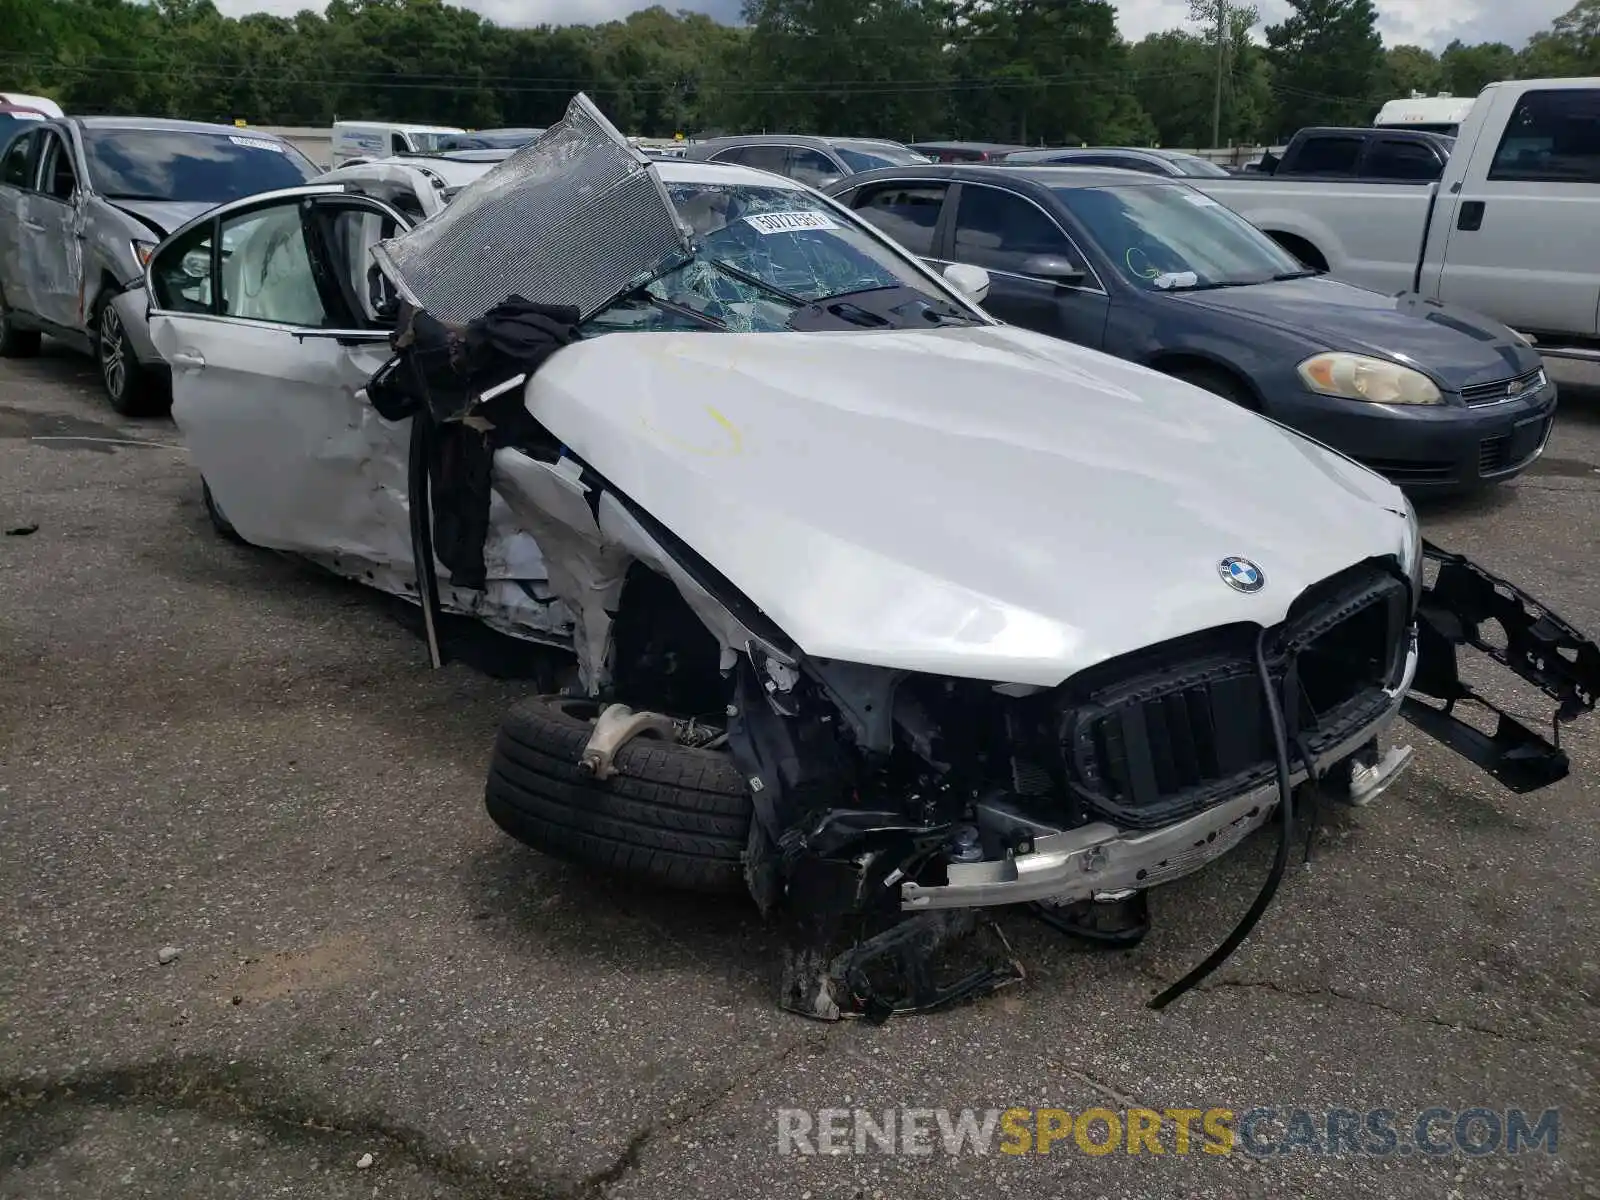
(207, 747)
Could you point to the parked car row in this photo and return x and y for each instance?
(1119, 250)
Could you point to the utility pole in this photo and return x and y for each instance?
(1222, 60)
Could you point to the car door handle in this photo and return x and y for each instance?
(1470, 218)
(192, 359)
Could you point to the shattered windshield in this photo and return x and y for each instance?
(761, 254)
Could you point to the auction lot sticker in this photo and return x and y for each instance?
(255, 143)
(790, 222)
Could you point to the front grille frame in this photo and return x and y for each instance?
(1482, 395)
(1179, 732)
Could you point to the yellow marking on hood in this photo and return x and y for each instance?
(733, 447)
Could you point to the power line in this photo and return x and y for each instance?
(241, 73)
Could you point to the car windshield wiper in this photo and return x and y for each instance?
(942, 310)
(1212, 286)
(680, 310)
(134, 196)
(755, 281)
(1308, 273)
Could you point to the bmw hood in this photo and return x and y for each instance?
(161, 216)
(1456, 347)
(981, 502)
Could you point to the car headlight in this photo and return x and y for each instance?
(142, 252)
(1357, 377)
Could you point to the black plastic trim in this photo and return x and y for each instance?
(1540, 648)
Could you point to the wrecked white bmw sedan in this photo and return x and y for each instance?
(875, 607)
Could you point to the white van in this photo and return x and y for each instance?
(1435, 114)
(38, 103)
(354, 140)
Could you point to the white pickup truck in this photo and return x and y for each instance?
(1511, 229)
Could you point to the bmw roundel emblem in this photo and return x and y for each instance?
(1241, 574)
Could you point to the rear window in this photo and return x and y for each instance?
(209, 168)
(1196, 167)
(1326, 156)
(869, 158)
(1393, 158)
(1552, 137)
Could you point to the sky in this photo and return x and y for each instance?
(1423, 22)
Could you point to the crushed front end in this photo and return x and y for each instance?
(1134, 773)
(1076, 800)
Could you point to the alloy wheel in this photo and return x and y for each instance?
(113, 351)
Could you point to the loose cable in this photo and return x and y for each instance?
(1280, 862)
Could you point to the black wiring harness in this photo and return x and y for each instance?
(1280, 862)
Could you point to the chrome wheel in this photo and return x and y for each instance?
(113, 352)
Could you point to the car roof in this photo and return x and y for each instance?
(164, 124)
(1426, 135)
(1046, 176)
(1048, 152)
(757, 139)
(406, 126)
(460, 171)
(453, 171)
(694, 170)
(478, 154)
(968, 146)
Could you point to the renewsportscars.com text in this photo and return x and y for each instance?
(1257, 1132)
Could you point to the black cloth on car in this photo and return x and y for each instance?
(437, 372)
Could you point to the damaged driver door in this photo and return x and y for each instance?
(51, 237)
(273, 318)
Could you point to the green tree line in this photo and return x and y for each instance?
(1025, 71)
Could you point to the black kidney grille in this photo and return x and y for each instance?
(1163, 744)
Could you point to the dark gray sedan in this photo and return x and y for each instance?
(1435, 397)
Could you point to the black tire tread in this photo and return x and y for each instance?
(672, 815)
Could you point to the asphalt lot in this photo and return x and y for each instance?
(208, 748)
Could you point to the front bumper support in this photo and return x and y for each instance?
(1539, 647)
(1099, 858)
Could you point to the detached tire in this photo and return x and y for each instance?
(672, 815)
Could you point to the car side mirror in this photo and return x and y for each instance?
(1054, 268)
(972, 282)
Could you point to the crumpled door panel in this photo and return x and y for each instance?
(1460, 611)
